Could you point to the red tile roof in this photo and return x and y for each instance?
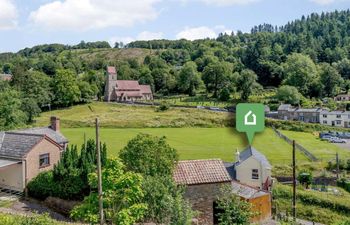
(131, 85)
(111, 70)
(146, 89)
(191, 172)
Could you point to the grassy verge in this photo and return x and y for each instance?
(321, 149)
(321, 207)
(9, 219)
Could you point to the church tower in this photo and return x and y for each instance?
(111, 83)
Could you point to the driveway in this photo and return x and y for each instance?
(344, 145)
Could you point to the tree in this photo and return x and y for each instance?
(330, 80)
(246, 83)
(300, 71)
(30, 108)
(122, 195)
(216, 76)
(149, 155)
(189, 79)
(288, 94)
(87, 92)
(11, 114)
(232, 209)
(65, 87)
(305, 178)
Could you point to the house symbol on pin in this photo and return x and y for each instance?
(248, 121)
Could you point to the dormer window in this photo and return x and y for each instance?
(255, 174)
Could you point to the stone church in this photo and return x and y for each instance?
(124, 90)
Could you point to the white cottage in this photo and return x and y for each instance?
(251, 168)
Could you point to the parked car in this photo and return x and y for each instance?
(326, 137)
(337, 140)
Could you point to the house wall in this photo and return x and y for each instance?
(333, 120)
(261, 205)
(244, 172)
(202, 198)
(32, 158)
(11, 177)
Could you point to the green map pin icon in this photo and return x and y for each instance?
(250, 118)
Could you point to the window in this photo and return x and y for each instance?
(324, 121)
(44, 160)
(338, 121)
(255, 174)
(339, 116)
(324, 116)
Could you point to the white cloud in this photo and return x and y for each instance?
(223, 2)
(326, 2)
(194, 33)
(93, 14)
(8, 15)
(202, 32)
(146, 35)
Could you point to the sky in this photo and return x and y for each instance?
(25, 23)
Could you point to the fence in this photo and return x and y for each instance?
(303, 150)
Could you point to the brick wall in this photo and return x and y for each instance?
(202, 198)
(32, 158)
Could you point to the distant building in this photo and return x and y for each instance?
(335, 118)
(342, 97)
(26, 153)
(6, 77)
(288, 112)
(203, 180)
(124, 90)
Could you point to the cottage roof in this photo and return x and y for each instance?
(145, 89)
(246, 191)
(16, 145)
(128, 85)
(252, 152)
(337, 112)
(54, 135)
(191, 172)
(284, 107)
(111, 70)
(309, 110)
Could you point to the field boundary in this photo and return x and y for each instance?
(306, 152)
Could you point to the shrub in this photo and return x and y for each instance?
(25, 220)
(42, 186)
(163, 106)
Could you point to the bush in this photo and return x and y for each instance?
(42, 186)
(343, 183)
(163, 106)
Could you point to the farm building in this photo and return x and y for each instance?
(203, 180)
(124, 90)
(26, 153)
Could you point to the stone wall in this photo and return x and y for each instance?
(202, 198)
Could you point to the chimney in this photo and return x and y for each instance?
(237, 156)
(55, 123)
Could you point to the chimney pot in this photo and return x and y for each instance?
(55, 123)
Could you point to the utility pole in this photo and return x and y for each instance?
(294, 185)
(337, 161)
(99, 173)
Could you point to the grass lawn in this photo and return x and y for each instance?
(193, 143)
(321, 149)
(120, 116)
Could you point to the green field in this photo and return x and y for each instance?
(194, 143)
(119, 116)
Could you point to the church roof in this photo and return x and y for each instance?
(146, 89)
(128, 85)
